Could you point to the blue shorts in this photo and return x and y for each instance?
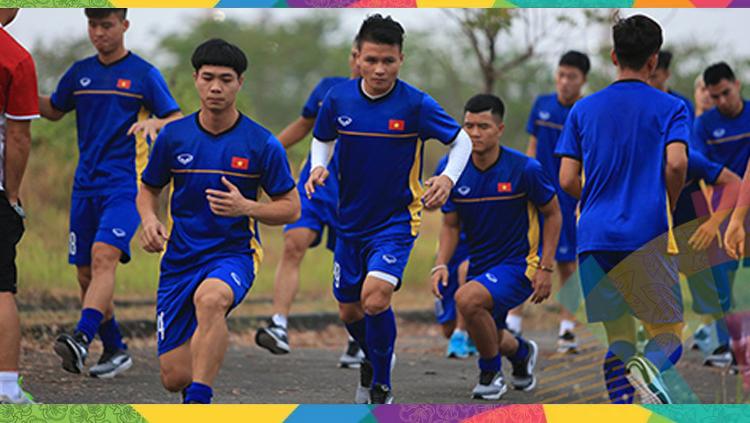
(111, 219)
(566, 246)
(354, 259)
(644, 283)
(175, 310)
(320, 211)
(509, 287)
(445, 308)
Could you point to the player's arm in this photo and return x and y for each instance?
(320, 155)
(296, 131)
(531, 148)
(730, 184)
(154, 234)
(17, 149)
(450, 233)
(570, 176)
(151, 127)
(734, 239)
(48, 111)
(439, 187)
(675, 171)
(542, 280)
(282, 209)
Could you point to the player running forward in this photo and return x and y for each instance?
(496, 202)
(544, 126)
(380, 124)
(317, 213)
(113, 94)
(624, 155)
(216, 160)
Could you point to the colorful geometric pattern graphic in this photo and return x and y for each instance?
(376, 3)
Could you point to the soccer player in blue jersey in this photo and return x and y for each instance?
(624, 154)
(317, 213)
(379, 123)
(216, 161)
(113, 93)
(660, 78)
(496, 202)
(544, 126)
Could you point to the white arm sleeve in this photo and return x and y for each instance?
(320, 153)
(458, 157)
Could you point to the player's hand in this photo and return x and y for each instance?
(542, 284)
(228, 203)
(440, 277)
(153, 236)
(438, 189)
(701, 239)
(734, 239)
(149, 127)
(317, 178)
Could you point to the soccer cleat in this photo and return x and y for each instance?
(471, 347)
(273, 337)
(353, 356)
(111, 364)
(362, 396)
(491, 386)
(457, 346)
(720, 357)
(73, 350)
(567, 344)
(523, 378)
(647, 381)
(381, 394)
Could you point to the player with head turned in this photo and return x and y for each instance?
(660, 80)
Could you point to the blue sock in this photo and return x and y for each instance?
(357, 330)
(109, 332)
(619, 389)
(490, 364)
(381, 336)
(663, 351)
(198, 393)
(521, 352)
(89, 323)
(722, 331)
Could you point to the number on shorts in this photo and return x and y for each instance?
(160, 326)
(72, 244)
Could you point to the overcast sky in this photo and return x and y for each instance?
(727, 29)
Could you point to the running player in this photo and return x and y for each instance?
(216, 160)
(624, 155)
(380, 123)
(19, 105)
(113, 94)
(307, 232)
(496, 202)
(544, 126)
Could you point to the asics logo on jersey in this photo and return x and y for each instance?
(718, 133)
(544, 115)
(119, 232)
(85, 81)
(463, 190)
(236, 279)
(344, 120)
(389, 259)
(184, 158)
(490, 277)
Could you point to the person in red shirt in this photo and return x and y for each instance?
(18, 106)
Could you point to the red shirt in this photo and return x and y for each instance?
(19, 99)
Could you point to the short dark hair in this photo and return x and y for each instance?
(716, 72)
(218, 52)
(577, 60)
(380, 30)
(665, 59)
(636, 39)
(486, 103)
(101, 13)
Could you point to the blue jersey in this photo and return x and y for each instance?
(723, 139)
(108, 100)
(691, 204)
(315, 100)
(497, 208)
(545, 123)
(619, 135)
(380, 155)
(462, 249)
(194, 160)
(688, 104)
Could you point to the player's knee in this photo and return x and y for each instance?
(175, 379)
(294, 248)
(468, 301)
(376, 303)
(104, 257)
(350, 313)
(212, 301)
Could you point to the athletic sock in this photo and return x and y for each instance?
(381, 337)
(357, 331)
(567, 326)
(514, 323)
(198, 393)
(522, 352)
(490, 364)
(9, 385)
(619, 389)
(663, 350)
(279, 320)
(89, 324)
(109, 333)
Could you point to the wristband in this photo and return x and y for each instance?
(438, 267)
(548, 269)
